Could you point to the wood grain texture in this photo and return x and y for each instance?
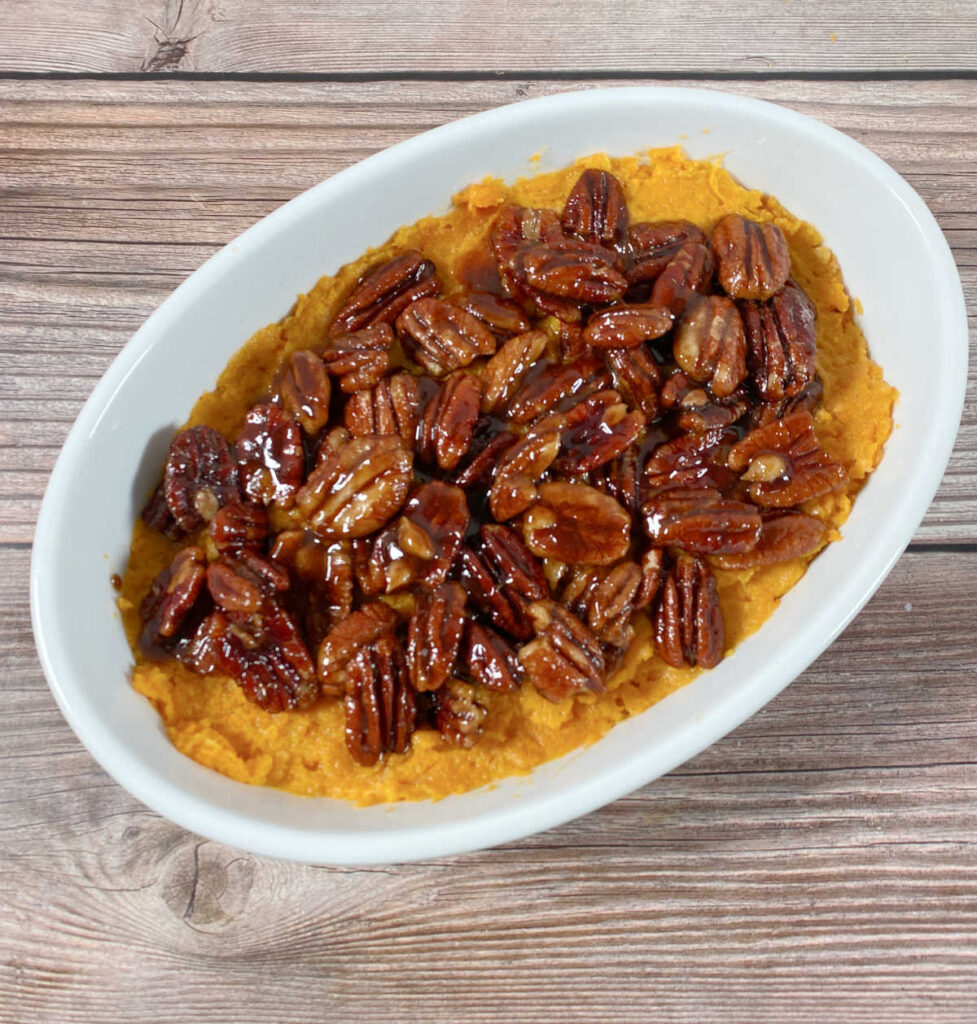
(113, 192)
(818, 864)
(438, 36)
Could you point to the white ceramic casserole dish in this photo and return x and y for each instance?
(891, 253)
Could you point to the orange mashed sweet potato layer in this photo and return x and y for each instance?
(304, 752)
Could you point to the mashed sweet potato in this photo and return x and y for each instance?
(303, 752)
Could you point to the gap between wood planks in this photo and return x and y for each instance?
(508, 75)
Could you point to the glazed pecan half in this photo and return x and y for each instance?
(390, 407)
(782, 340)
(604, 598)
(637, 378)
(381, 707)
(490, 659)
(579, 271)
(710, 345)
(171, 598)
(237, 525)
(688, 622)
(305, 391)
(784, 464)
(384, 292)
(505, 371)
(697, 409)
(597, 429)
(434, 636)
(447, 426)
(701, 520)
(692, 460)
(357, 489)
(790, 535)
(200, 477)
(753, 261)
(548, 386)
(654, 245)
(519, 469)
(442, 337)
(502, 317)
(348, 636)
(501, 578)
(625, 326)
(458, 713)
(577, 524)
(596, 210)
(687, 273)
(270, 456)
(361, 358)
(420, 545)
(565, 658)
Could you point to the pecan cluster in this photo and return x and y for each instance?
(464, 492)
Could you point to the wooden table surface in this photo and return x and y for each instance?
(818, 864)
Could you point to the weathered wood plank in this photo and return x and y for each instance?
(377, 36)
(111, 193)
(817, 864)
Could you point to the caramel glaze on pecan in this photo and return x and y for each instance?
(458, 496)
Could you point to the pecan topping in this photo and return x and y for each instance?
(270, 456)
(577, 524)
(565, 657)
(348, 636)
(653, 246)
(621, 479)
(501, 316)
(384, 292)
(605, 599)
(252, 638)
(171, 597)
(200, 477)
(710, 344)
(505, 371)
(420, 546)
(791, 535)
(381, 707)
(651, 574)
(519, 469)
(322, 579)
(627, 326)
(305, 391)
(448, 424)
(636, 377)
(490, 659)
(442, 337)
(596, 210)
(687, 273)
(236, 526)
(362, 358)
(486, 450)
(753, 261)
(459, 715)
(701, 520)
(502, 578)
(547, 385)
(390, 407)
(157, 515)
(597, 429)
(781, 335)
(434, 636)
(697, 409)
(692, 460)
(580, 271)
(357, 489)
(515, 230)
(689, 623)
(784, 464)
